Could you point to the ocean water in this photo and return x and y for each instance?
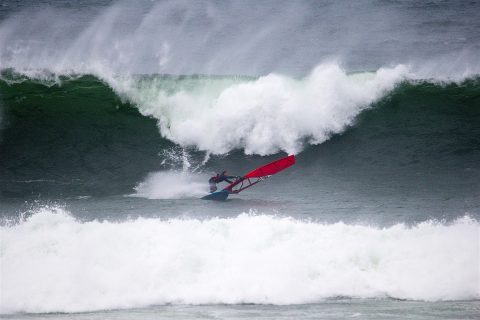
(114, 114)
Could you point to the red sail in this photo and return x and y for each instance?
(257, 174)
(272, 168)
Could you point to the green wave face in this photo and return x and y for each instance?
(75, 136)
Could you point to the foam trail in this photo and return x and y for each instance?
(171, 185)
(53, 263)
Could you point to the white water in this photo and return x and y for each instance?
(261, 116)
(53, 263)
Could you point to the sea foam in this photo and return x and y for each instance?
(54, 263)
(261, 116)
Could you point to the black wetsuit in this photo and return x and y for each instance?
(217, 179)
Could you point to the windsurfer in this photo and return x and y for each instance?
(219, 177)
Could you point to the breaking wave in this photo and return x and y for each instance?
(263, 115)
(108, 134)
(54, 263)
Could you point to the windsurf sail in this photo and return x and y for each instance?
(260, 174)
(272, 167)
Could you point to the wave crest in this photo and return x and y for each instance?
(264, 115)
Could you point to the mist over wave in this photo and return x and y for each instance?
(53, 263)
(248, 38)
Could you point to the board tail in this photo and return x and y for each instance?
(219, 195)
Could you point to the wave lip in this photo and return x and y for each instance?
(53, 263)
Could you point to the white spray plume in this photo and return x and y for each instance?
(171, 185)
